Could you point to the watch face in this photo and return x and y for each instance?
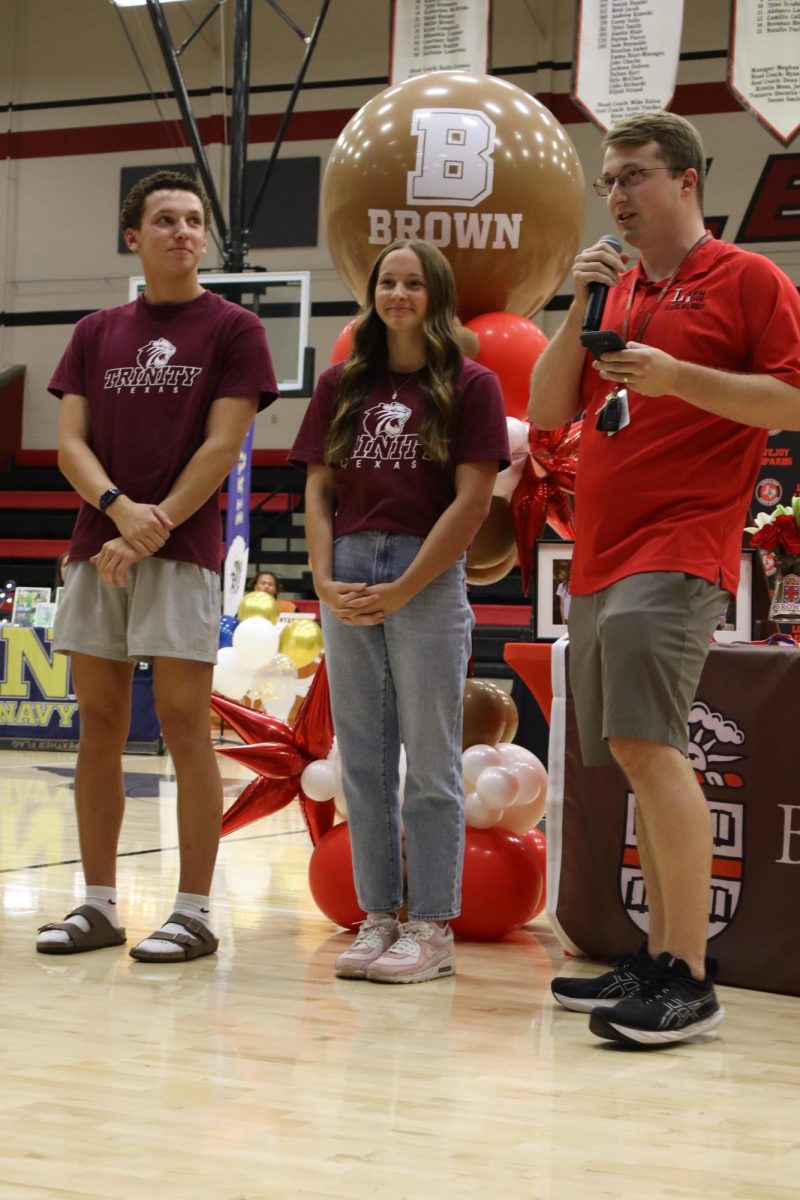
(107, 497)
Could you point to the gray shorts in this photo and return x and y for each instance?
(636, 653)
(166, 610)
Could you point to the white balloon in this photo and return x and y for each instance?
(528, 816)
(278, 706)
(231, 676)
(517, 436)
(476, 759)
(318, 780)
(497, 788)
(531, 779)
(511, 753)
(478, 815)
(507, 480)
(255, 640)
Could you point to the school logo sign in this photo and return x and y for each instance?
(712, 739)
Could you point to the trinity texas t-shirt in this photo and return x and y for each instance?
(151, 373)
(388, 483)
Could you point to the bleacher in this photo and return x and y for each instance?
(38, 509)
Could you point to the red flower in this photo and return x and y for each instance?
(766, 538)
(788, 534)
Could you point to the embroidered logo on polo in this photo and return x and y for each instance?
(383, 440)
(691, 298)
(153, 370)
(711, 737)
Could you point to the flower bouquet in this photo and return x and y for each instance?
(778, 534)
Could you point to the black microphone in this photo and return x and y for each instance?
(598, 292)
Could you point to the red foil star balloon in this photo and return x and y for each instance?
(279, 753)
(542, 494)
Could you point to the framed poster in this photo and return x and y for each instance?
(736, 623)
(551, 594)
(25, 602)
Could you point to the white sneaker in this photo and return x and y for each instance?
(424, 951)
(375, 936)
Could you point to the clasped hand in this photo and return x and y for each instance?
(145, 527)
(113, 559)
(361, 603)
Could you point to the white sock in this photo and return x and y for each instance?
(102, 898)
(185, 902)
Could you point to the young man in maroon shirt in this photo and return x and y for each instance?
(156, 399)
(711, 363)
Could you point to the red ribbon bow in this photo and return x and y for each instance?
(542, 494)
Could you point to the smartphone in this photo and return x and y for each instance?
(600, 341)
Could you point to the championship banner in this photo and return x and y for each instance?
(626, 57)
(764, 63)
(439, 35)
(237, 529)
(742, 739)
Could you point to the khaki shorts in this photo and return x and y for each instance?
(166, 610)
(636, 653)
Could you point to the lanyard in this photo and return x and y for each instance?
(649, 316)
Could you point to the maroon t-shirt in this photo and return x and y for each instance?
(387, 483)
(151, 373)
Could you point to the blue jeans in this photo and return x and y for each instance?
(402, 682)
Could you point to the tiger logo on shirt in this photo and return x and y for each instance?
(382, 437)
(156, 353)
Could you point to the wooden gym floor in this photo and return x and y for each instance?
(255, 1075)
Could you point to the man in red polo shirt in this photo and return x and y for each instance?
(711, 363)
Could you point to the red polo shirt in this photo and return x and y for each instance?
(671, 491)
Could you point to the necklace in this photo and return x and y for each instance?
(398, 387)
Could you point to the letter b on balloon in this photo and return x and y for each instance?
(454, 157)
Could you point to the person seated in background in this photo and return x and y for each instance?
(61, 564)
(267, 581)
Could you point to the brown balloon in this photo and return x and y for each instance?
(471, 163)
(483, 575)
(495, 539)
(487, 713)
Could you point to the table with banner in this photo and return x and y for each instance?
(38, 710)
(743, 739)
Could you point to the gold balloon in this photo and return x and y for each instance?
(485, 575)
(495, 539)
(258, 604)
(490, 715)
(471, 163)
(301, 641)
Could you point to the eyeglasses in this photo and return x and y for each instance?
(632, 178)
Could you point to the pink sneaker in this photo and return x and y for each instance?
(424, 950)
(375, 936)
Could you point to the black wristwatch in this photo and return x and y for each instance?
(108, 498)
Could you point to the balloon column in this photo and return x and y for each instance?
(485, 172)
(259, 660)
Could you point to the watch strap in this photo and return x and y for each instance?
(108, 498)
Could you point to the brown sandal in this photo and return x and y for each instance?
(195, 943)
(101, 933)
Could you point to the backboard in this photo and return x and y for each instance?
(282, 299)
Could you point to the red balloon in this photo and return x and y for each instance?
(509, 346)
(536, 839)
(275, 760)
(502, 884)
(330, 878)
(343, 344)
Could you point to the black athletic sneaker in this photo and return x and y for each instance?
(671, 1007)
(625, 979)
